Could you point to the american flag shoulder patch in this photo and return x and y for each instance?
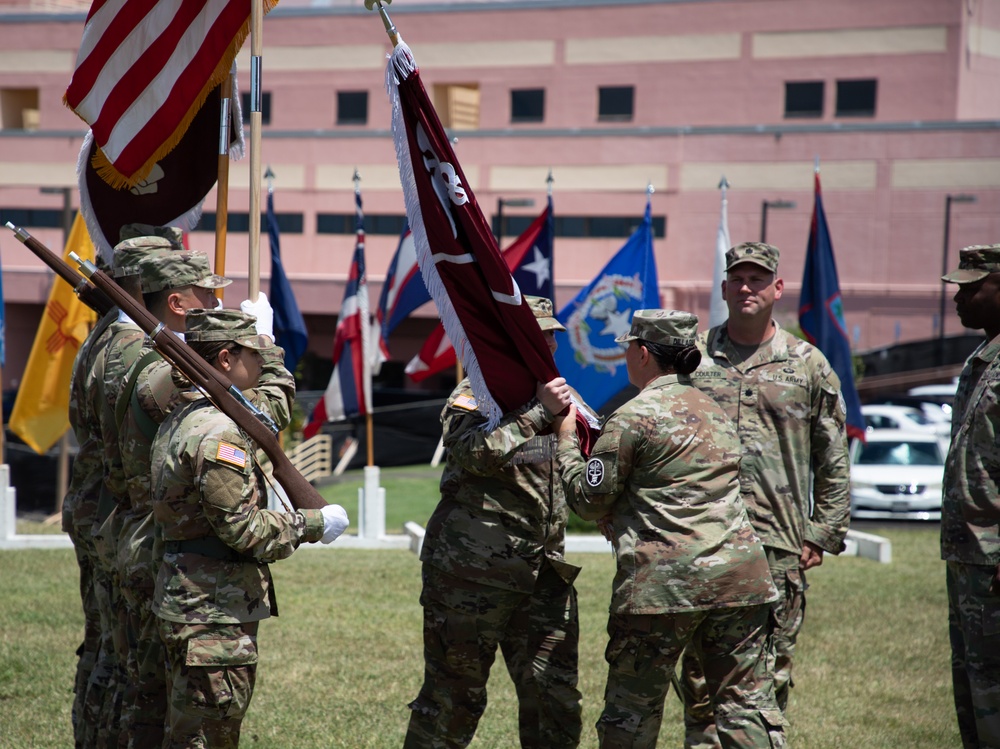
(465, 402)
(229, 453)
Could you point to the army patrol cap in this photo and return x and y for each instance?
(172, 270)
(975, 263)
(758, 253)
(224, 325)
(134, 256)
(544, 313)
(669, 327)
(171, 233)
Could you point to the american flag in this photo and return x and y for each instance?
(231, 454)
(144, 70)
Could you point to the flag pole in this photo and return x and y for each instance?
(390, 27)
(552, 254)
(366, 373)
(256, 32)
(222, 192)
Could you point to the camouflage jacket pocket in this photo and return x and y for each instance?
(216, 651)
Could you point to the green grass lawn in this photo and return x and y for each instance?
(340, 664)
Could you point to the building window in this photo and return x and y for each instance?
(265, 107)
(605, 227)
(375, 223)
(352, 107)
(19, 108)
(288, 223)
(527, 105)
(804, 99)
(856, 98)
(457, 105)
(615, 103)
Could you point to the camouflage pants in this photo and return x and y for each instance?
(211, 669)
(789, 614)
(145, 711)
(538, 634)
(974, 630)
(102, 703)
(732, 644)
(89, 650)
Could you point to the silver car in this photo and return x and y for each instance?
(897, 475)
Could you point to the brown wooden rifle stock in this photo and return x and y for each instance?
(93, 297)
(226, 397)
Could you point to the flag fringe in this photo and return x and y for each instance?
(400, 67)
(107, 171)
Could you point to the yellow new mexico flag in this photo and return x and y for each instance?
(41, 412)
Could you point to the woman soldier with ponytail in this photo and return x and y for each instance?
(663, 480)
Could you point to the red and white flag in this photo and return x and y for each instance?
(349, 392)
(143, 71)
(493, 329)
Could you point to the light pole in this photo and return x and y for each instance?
(510, 203)
(948, 200)
(62, 464)
(779, 204)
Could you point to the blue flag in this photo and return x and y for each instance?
(821, 313)
(588, 356)
(289, 327)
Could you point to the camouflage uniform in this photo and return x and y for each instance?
(153, 396)
(970, 526)
(690, 567)
(214, 585)
(494, 574)
(785, 400)
(79, 512)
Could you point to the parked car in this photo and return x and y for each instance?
(897, 475)
(907, 418)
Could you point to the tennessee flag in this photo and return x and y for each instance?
(349, 392)
(41, 412)
(529, 258)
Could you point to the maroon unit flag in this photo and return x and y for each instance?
(143, 72)
(494, 331)
(172, 193)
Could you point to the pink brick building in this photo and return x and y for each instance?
(900, 101)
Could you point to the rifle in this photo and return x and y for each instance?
(226, 397)
(93, 297)
(103, 294)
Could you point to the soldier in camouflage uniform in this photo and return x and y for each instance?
(165, 274)
(214, 585)
(494, 574)
(785, 400)
(192, 286)
(970, 511)
(664, 477)
(79, 512)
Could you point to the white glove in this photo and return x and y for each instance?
(261, 309)
(335, 522)
(218, 304)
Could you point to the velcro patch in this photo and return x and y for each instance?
(229, 453)
(595, 472)
(465, 402)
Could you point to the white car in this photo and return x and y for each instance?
(897, 475)
(884, 416)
